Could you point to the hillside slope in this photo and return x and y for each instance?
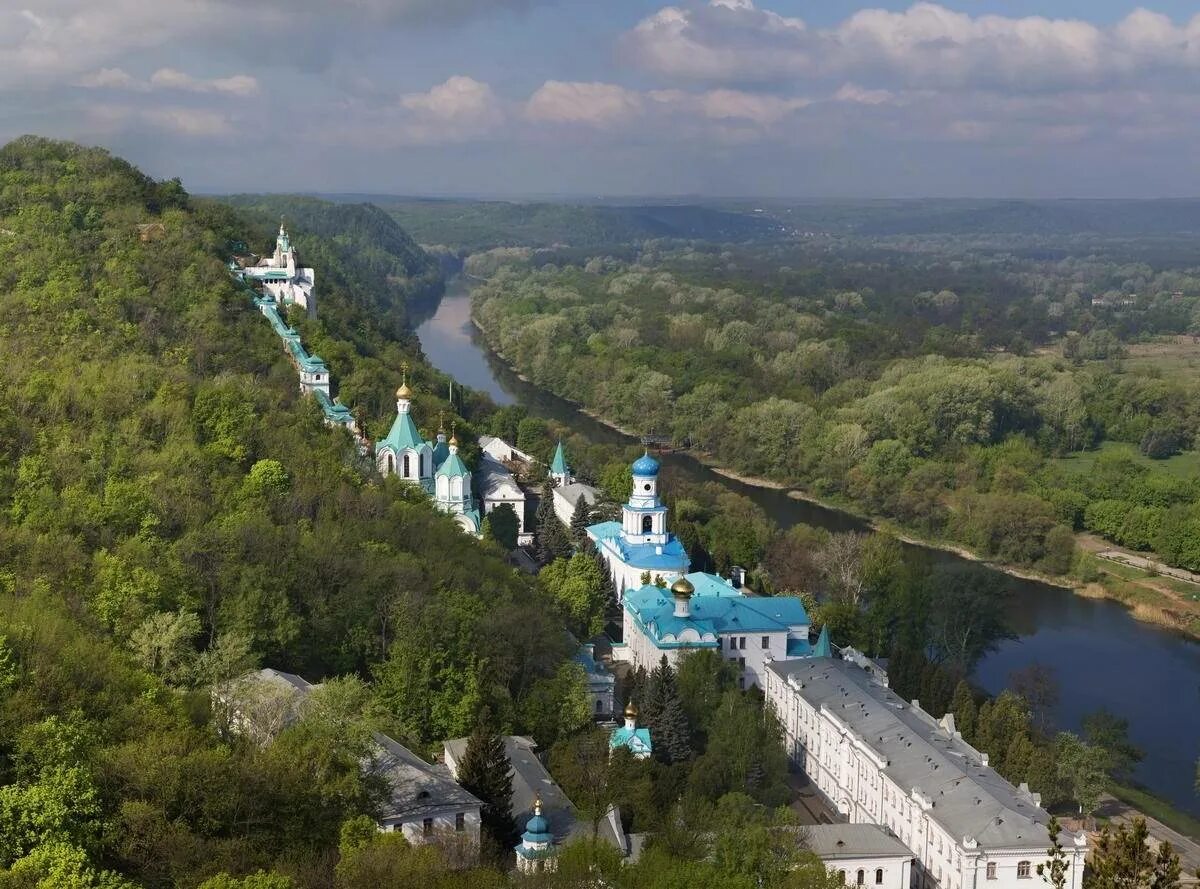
(172, 512)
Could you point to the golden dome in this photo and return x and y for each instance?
(404, 391)
(631, 710)
(683, 587)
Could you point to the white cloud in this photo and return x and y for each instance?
(731, 105)
(926, 45)
(170, 79)
(594, 104)
(236, 85)
(461, 108)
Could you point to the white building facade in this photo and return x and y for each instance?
(881, 760)
(283, 278)
(863, 855)
(701, 611)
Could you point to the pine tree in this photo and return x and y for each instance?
(1122, 858)
(966, 713)
(581, 517)
(1054, 871)
(485, 772)
(664, 715)
(553, 542)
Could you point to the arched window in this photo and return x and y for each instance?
(647, 524)
(406, 467)
(456, 487)
(879, 876)
(1022, 870)
(391, 465)
(991, 870)
(842, 875)
(599, 706)
(860, 877)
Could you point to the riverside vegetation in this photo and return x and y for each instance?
(939, 386)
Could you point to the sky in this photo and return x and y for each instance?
(609, 98)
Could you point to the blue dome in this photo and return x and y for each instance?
(645, 465)
(537, 825)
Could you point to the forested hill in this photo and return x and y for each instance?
(481, 225)
(173, 512)
(358, 241)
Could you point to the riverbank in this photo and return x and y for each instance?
(1141, 594)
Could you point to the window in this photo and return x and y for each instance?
(391, 465)
(741, 642)
(766, 642)
(991, 870)
(860, 877)
(460, 822)
(406, 466)
(427, 827)
(842, 875)
(1023, 870)
(742, 662)
(647, 524)
(646, 486)
(879, 876)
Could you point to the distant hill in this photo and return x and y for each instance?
(480, 225)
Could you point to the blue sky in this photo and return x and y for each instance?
(620, 97)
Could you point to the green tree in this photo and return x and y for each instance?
(663, 713)
(505, 526)
(581, 518)
(1057, 868)
(1110, 733)
(1122, 858)
(486, 772)
(258, 880)
(965, 710)
(1083, 770)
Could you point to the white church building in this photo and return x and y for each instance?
(882, 760)
(435, 467)
(640, 543)
(283, 278)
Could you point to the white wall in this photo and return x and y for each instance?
(444, 831)
(877, 873)
(851, 775)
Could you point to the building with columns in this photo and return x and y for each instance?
(882, 760)
(640, 543)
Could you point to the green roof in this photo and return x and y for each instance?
(404, 435)
(823, 648)
(452, 467)
(558, 466)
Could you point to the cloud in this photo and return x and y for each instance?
(170, 79)
(192, 123)
(924, 46)
(594, 104)
(237, 85)
(461, 108)
(731, 105)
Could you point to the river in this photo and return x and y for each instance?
(1100, 655)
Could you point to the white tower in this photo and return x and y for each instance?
(644, 518)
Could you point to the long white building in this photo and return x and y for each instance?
(282, 277)
(882, 760)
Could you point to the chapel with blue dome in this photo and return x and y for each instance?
(640, 543)
(536, 852)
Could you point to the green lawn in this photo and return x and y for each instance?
(1185, 465)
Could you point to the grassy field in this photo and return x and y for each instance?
(1176, 357)
(1185, 465)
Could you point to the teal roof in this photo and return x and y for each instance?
(441, 451)
(558, 466)
(404, 435)
(637, 740)
(823, 648)
(453, 467)
(654, 610)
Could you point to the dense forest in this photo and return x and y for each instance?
(943, 390)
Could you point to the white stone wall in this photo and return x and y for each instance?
(443, 831)
(747, 651)
(874, 873)
(851, 775)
